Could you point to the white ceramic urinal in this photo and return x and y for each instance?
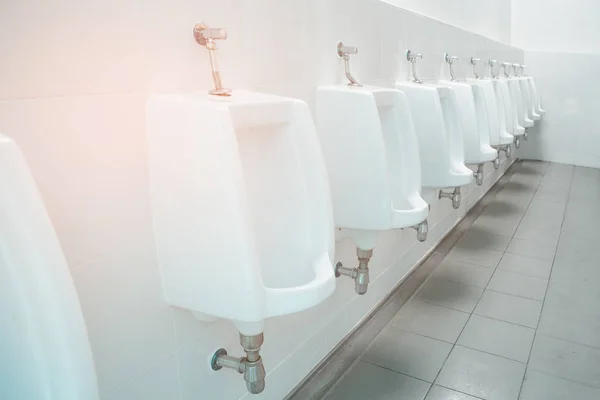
(241, 206)
(437, 122)
(518, 101)
(475, 131)
(495, 112)
(536, 96)
(371, 152)
(528, 99)
(44, 349)
(503, 91)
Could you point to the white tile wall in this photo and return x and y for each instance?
(556, 25)
(568, 87)
(74, 81)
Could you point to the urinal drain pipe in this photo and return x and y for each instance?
(251, 366)
(478, 175)
(454, 196)
(422, 230)
(360, 275)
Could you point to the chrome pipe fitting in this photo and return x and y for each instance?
(412, 58)
(507, 149)
(526, 135)
(517, 143)
(516, 68)
(474, 62)
(360, 274)
(344, 53)
(250, 366)
(207, 37)
(492, 64)
(523, 66)
(478, 175)
(450, 60)
(497, 162)
(506, 67)
(454, 196)
(422, 229)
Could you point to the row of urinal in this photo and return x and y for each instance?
(245, 193)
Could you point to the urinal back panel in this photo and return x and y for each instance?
(491, 103)
(468, 119)
(430, 128)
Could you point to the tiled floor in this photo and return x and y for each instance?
(513, 311)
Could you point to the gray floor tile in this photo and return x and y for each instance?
(530, 248)
(527, 286)
(367, 381)
(408, 353)
(461, 272)
(479, 238)
(562, 198)
(479, 256)
(450, 294)
(442, 393)
(564, 359)
(430, 320)
(540, 386)
(509, 308)
(497, 337)
(547, 235)
(481, 374)
(526, 265)
(568, 298)
(571, 326)
(496, 225)
(582, 275)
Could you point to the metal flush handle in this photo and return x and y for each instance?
(412, 58)
(206, 37)
(450, 59)
(474, 62)
(506, 66)
(516, 68)
(492, 63)
(344, 52)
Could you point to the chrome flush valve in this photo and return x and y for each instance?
(412, 58)
(474, 62)
(454, 196)
(344, 52)
(479, 174)
(251, 366)
(492, 64)
(450, 60)
(207, 37)
(506, 66)
(516, 68)
(360, 275)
